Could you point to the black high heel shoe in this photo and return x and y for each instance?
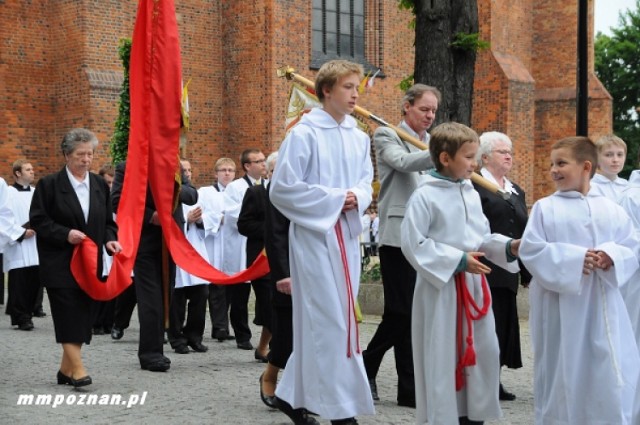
(67, 380)
(63, 379)
(269, 400)
(84, 381)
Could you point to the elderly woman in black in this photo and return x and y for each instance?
(67, 207)
(507, 217)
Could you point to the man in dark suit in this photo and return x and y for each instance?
(148, 273)
(251, 224)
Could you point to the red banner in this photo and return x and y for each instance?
(155, 90)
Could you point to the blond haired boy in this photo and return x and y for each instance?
(322, 184)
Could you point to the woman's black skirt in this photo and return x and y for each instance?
(73, 314)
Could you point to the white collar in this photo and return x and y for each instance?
(74, 182)
(508, 186)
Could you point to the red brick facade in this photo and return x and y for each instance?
(59, 68)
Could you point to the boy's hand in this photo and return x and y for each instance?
(515, 247)
(604, 261)
(590, 262)
(351, 202)
(474, 266)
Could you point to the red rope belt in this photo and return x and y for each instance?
(468, 310)
(351, 311)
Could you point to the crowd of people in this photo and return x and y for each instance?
(452, 257)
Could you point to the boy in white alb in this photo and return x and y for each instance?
(612, 152)
(323, 185)
(580, 247)
(455, 347)
(630, 201)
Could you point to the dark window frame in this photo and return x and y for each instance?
(334, 9)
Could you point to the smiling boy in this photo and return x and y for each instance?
(580, 247)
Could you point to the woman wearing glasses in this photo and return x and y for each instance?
(507, 217)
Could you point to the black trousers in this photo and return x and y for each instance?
(24, 284)
(398, 281)
(281, 335)
(148, 287)
(238, 298)
(124, 305)
(192, 302)
(218, 308)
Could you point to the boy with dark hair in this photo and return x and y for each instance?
(443, 232)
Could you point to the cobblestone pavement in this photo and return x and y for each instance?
(216, 387)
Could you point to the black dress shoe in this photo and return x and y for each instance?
(157, 366)
(221, 335)
(181, 349)
(374, 389)
(245, 345)
(260, 357)
(269, 400)
(39, 313)
(505, 395)
(116, 333)
(198, 347)
(298, 416)
(347, 421)
(26, 326)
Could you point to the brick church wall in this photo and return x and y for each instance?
(59, 68)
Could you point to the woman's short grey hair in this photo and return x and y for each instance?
(271, 159)
(74, 137)
(415, 92)
(488, 142)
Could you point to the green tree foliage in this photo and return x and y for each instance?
(120, 139)
(617, 64)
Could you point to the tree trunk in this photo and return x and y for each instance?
(438, 64)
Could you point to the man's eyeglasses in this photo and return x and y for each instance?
(225, 170)
(257, 161)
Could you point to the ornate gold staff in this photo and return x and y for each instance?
(290, 74)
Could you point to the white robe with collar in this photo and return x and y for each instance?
(586, 365)
(611, 189)
(442, 221)
(8, 232)
(318, 163)
(18, 255)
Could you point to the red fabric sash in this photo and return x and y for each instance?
(351, 310)
(465, 305)
(155, 89)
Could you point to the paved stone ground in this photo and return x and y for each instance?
(217, 387)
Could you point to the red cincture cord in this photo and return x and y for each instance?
(465, 305)
(351, 311)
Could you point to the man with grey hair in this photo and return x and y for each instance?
(401, 167)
